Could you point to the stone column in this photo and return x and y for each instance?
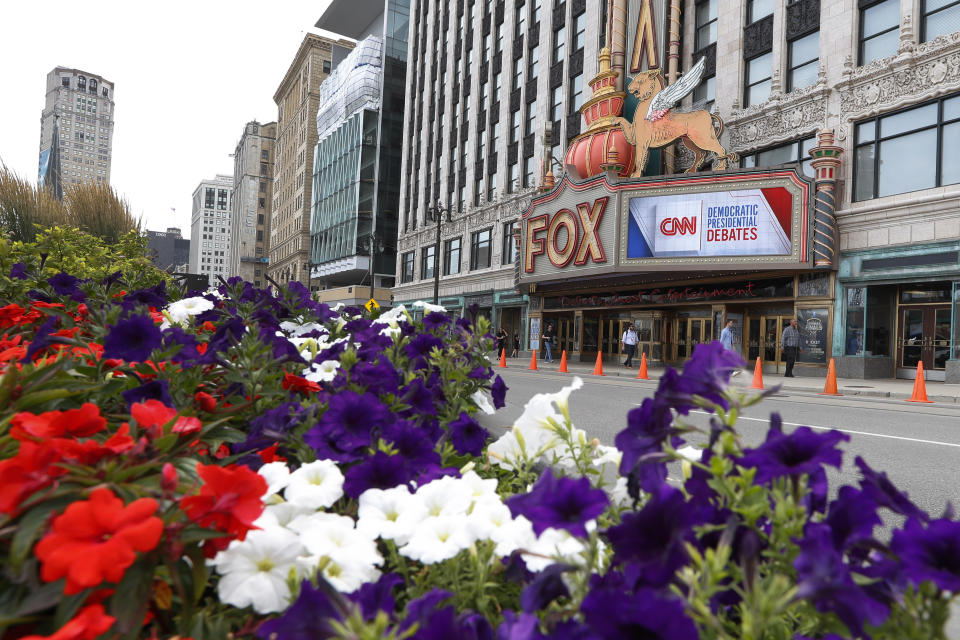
(826, 165)
(618, 39)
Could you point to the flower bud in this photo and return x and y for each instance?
(168, 478)
(205, 401)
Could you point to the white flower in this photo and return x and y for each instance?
(481, 490)
(392, 514)
(607, 455)
(315, 484)
(350, 555)
(321, 372)
(513, 535)
(438, 539)
(429, 308)
(483, 402)
(446, 496)
(618, 494)
(277, 475)
(255, 570)
(557, 545)
(281, 515)
(691, 453)
(181, 311)
(486, 518)
(392, 317)
(297, 329)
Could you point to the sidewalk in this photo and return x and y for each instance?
(938, 392)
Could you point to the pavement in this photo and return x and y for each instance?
(937, 392)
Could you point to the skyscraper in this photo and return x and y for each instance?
(210, 228)
(83, 103)
(252, 202)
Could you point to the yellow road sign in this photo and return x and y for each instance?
(372, 304)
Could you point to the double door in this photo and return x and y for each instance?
(764, 335)
(690, 333)
(923, 336)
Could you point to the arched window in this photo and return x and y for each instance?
(93, 85)
(81, 83)
(106, 92)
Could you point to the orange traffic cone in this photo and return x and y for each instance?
(533, 361)
(503, 359)
(830, 388)
(598, 368)
(919, 387)
(563, 362)
(642, 374)
(757, 376)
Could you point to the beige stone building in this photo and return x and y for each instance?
(253, 162)
(297, 102)
(83, 101)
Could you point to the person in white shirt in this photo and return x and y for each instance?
(629, 340)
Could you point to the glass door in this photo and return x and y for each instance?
(923, 336)
(753, 339)
(682, 337)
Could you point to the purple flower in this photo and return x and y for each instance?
(19, 271)
(309, 617)
(373, 597)
(479, 373)
(545, 588)
(175, 336)
(419, 397)
(348, 425)
(435, 320)
(802, 452)
(648, 427)
(418, 610)
(155, 296)
(499, 393)
(930, 553)
(132, 339)
(467, 436)
(418, 349)
(413, 445)
(707, 373)
(473, 626)
(881, 490)
(153, 390)
(379, 471)
(42, 338)
(643, 614)
(379, 377)
(852, 517)
(560, 503)
(825, 580)
(653, 539)
(64, 284)
(524, 626)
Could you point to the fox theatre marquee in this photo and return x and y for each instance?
(677, 256)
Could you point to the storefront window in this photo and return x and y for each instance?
(879, 315)
(956, 321)
(813, 324)
(814, 285)
(856, 314)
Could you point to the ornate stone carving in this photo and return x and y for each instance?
(786, 117)
(758, 37)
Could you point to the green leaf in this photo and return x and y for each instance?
(129, 603)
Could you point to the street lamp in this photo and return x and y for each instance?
(373, 245)
(437, 213)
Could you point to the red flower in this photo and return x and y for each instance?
(33, 468)
(153, 415)
(229, 501)
(14, 315)
(93, 541)
(269, 454)
(168, 478)
(90, 452)
(296, 383)
(78, 423)
(205, 401)
(90, 623)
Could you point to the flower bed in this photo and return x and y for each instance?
(258, 464)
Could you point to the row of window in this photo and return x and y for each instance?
(82, 85)
(480, 254)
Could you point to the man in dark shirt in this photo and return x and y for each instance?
(548, 340)
(790, 343)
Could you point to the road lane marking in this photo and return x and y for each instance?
(859, 433)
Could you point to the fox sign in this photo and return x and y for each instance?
(746, 219)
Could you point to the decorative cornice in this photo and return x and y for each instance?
(784, 117)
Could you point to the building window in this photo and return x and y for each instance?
(81, 83)
(517, 73)
(480, 250)
(940, 17)
(93, 85)
(757, 81)
(534, 62)
(803, 61)
(406, 267)
(757, 9)
(908, 150)
(706, 15)
(65, 82)
(326, 66)
(509, 253)
(531, 116)
(706, 92)
(556, 109)
(477, 191)
(792, 152)
(209, 196)
(513, 182)
(579, 31)
(537, 10)
(514, 127)
(265, 155)
(495, 137)
(262, 203)
(491, 187)
(451, 257)
(499, 37)
(520, 19)
(879, 30)
(529, 172)
(576, 93)
(559, 44)
(106, 94)
(427, 262)
(497, 84)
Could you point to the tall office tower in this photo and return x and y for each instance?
(252, 202)
(83, 104)
(297, 99)
(493, 92)
(210, 228)
(357, 160)
(169, 250)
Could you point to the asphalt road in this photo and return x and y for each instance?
(917, 445)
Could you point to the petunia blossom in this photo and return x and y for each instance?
(560, 503)
(255, 571)
(316, 484)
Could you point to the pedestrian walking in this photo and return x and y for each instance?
(516, 345)
(548, 341)
(502, 337)
(726, 339)
(790, 343)
(629, 340)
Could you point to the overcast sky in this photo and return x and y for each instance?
(188, 76)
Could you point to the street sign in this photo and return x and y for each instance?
(371, 305)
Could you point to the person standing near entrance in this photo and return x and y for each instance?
(726, 339)
(548, 341)
(501, 340)
(629, 340)
(790, 343)
(516, 345)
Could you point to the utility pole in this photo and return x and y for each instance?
(436, 214)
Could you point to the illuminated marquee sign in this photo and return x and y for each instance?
(566, 236)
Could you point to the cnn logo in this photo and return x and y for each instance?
(678, 226)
